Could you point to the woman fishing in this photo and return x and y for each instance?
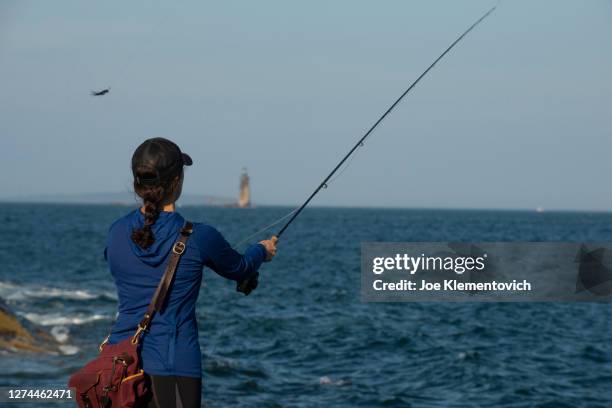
(138, 250)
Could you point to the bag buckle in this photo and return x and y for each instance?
(178, 248)
(101, 346)
(137, 334)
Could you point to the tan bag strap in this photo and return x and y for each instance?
(164, 285)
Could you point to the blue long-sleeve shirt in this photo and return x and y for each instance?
(171, 345)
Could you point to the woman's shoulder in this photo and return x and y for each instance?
(205, 234)
(203, 230)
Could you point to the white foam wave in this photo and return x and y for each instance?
(17, 292)
(325, 380)
(56, 319)
(68, 349)
(60, 333)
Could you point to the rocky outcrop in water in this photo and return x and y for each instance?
(18, 334)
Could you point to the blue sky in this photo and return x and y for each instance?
(516, 116)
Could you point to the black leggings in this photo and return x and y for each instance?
(169, 391)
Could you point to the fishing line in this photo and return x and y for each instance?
(346, 166)
(384, 115)
(267, 227)
(279, 220)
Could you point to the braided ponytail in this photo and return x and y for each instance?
(152, 197)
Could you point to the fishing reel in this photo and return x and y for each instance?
(248, 285)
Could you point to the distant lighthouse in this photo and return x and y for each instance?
(244, 199)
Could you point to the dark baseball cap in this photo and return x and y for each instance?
(158, 159)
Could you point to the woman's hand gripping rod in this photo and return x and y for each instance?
(249, 284)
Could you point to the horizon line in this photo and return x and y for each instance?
(537, 210)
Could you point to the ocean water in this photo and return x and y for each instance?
(304, 338)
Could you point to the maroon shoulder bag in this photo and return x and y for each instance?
(115, 378)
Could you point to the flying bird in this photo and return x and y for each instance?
(100, 93)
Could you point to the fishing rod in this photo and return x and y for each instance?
(248, 285)
(384, 115)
